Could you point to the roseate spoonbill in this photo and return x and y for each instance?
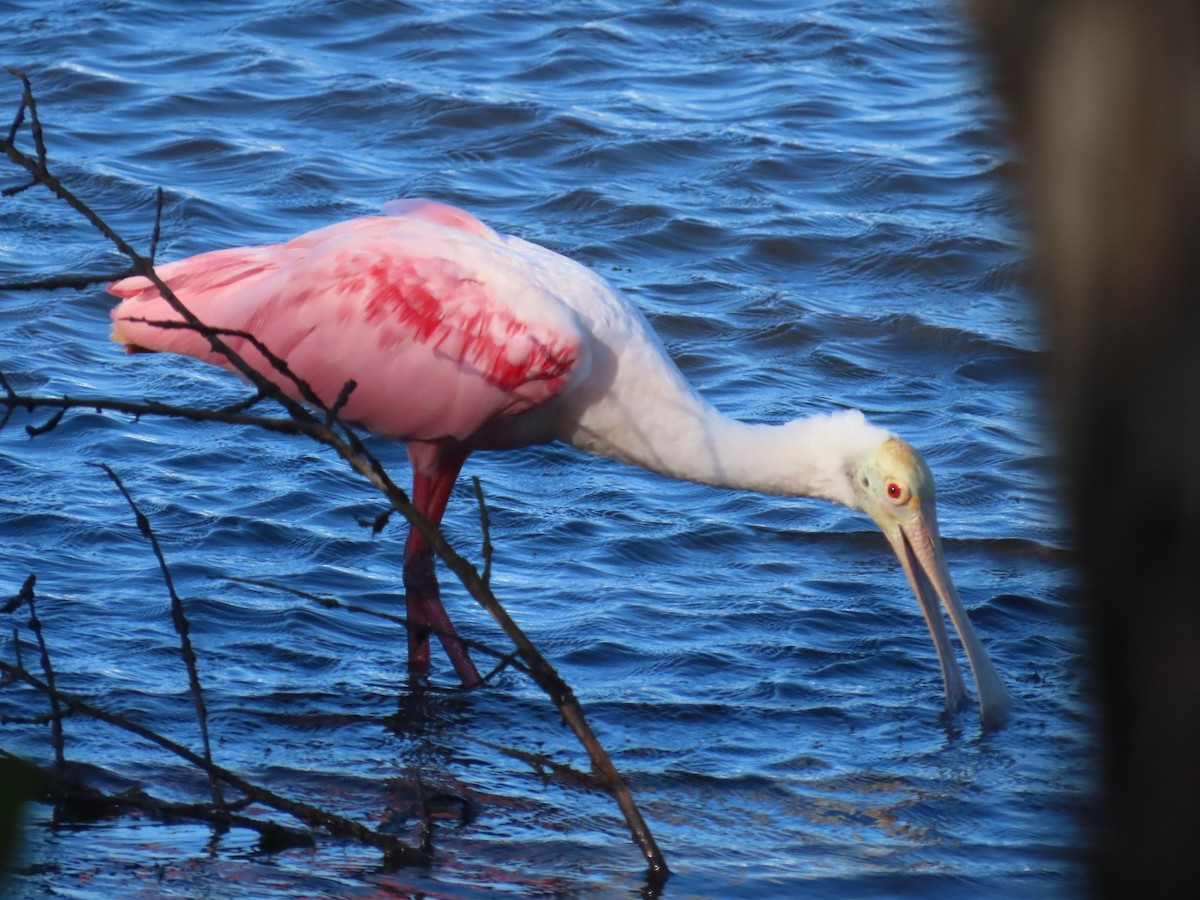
(460, 339)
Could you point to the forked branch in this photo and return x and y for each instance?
(309, 416)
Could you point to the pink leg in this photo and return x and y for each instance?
(434, 470)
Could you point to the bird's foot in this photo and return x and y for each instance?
(464, 666)
(426, 615)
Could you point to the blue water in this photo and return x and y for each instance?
(808, 201)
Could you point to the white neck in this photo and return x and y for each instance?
(803, 458)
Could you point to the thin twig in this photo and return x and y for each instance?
(19, 118)
(36, 168)
(35, 623)
(273, 836)
(342, 398)
(9, 397)
(35, 123)
(47, 426)
(307, 394)
(179, 618)
(243, 405)
(152, 253)
(540, 763)
(378, 523)
(509, 659)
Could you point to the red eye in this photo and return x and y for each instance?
(894, 491)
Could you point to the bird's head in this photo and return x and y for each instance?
(894, 486)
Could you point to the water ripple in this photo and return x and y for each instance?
(808, 202)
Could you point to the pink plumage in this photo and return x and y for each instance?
(411, 315)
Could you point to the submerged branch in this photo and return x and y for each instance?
(395, 852)
(56, 714)
(69, 792)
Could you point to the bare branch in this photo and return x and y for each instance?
(47, 426)
(10, 396)
(509, 659)
(267, 387)
(396, 853)
(26, 596)
(378, 523)
(156, 408)
(181, 627)
(157, 232)
(142, 265)
(14, 602)
(342, 398)
(19, 118)
(35, 123)
(249, 403)
(28, 105)
(548, 768)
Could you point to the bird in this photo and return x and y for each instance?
(459, 338)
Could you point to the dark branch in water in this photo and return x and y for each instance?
(378, 523)
(26, 596)
(10, 398)
(37, 168)
(395, 852)
(548, 769)
(70, 792)
(48, 426)
(179, 618)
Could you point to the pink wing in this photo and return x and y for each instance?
(443, 325)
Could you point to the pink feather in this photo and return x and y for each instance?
(405, 305)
